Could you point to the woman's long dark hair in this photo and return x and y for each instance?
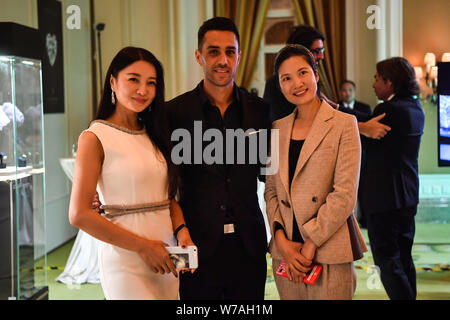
(154, 117)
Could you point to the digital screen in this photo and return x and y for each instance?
(444, 115)
(445, 151)
(443, 92)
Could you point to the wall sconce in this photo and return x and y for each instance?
(432, 83)
(429, 89)
(430, 75)
(430, 61)
(445, 57)
(419, 72)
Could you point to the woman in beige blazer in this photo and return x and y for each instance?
(310, 200)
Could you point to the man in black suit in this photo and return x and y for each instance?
(219, 200)
(348, 102)
(390, 185)
(347, 89)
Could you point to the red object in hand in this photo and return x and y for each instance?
(281, 271)
(311, 276)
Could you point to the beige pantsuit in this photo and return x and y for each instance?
(336, 282)
(322, 196)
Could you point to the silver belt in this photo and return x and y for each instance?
(113, 210)
(228, 228)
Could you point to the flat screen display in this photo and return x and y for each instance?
(443, 92)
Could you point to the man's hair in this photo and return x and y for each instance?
(347, 81)
(402, 75)
(217, 23)
(305, 35)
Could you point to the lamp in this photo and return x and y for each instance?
(430, 74)
(419, 72)
(445, 57)
(434, 72)
(430, 60)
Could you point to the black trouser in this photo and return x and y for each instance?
(230, 274)
(391, 236)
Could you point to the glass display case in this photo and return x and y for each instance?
(23, 260)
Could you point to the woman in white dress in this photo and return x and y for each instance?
(125, 157)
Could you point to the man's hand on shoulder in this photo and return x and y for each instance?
(373, 128)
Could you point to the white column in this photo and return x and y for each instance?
(395, 16)
(184, 17)
(369, 41)
(389, 36)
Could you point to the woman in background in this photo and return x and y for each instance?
(125, 156)
(310, 200)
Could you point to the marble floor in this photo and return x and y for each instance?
(431, 253)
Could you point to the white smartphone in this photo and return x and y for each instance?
(184, 258)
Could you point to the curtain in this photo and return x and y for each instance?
(329, 17)
(250, 18)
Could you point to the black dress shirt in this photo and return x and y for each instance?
(232, 119)
(214, 193)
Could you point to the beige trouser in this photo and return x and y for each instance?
(336, 282)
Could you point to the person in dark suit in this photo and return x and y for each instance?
(219, 200)
(390, 185)
(347, 89)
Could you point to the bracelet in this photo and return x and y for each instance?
(181, 226)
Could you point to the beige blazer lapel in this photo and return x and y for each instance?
(318, 131)
(284, 141)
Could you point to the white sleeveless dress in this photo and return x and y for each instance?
(134, 172)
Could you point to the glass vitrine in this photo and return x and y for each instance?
(23, 262)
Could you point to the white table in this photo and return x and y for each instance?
(82, 264)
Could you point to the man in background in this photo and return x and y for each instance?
(348, 88)
(349, 102)
(390, 184)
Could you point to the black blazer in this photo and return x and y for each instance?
(363, 113)
(358, 106)
(390, 177)
(206, 188)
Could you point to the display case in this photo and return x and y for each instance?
(23, 261)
